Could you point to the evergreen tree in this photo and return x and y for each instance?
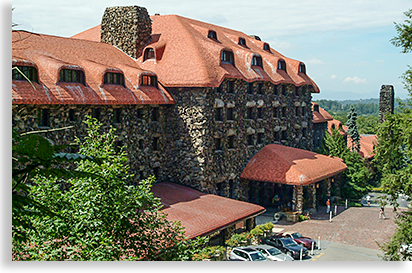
(353, 129)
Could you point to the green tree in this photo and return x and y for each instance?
(394, 153)
(98, 218)
(353, 129)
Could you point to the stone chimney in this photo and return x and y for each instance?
(128, 28)
(386, 101)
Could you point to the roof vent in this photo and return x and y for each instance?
(255, 37)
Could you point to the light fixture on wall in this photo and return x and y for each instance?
(317, 186)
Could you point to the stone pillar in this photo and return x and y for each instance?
(313, 191)
(128, 28)
(328, 187)
(298, 199)
(250, 224)
(386, 101)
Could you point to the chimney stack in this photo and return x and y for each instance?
(128, 28)
(386, 101)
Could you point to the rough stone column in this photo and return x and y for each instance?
(313, 191)
(328, 187)
(128, 28)
(386, 101)
(298, 198)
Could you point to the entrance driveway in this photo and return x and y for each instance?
(355, 226)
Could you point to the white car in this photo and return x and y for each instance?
(246, 254)
(272, 253)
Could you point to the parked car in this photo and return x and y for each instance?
(246, 254)
(272, 253)
(301, 240)
(286, 245)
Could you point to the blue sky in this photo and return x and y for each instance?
(344, 44)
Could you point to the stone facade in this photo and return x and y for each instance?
(136, 127)
(128, 28)
(386, 101)
(213, 132)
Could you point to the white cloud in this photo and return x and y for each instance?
(314, 61)
(354, 79)
(333, 77)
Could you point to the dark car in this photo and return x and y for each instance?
(286, 245)
(301, 240)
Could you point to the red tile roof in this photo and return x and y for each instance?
(321, 115)
(342, 129)
(49, 54)
(367, 144)
(186, 57)
(286, 165)
(201, 213)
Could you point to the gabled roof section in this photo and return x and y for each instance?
(188, 58)
(50, 54)
(321, 115)
(292, 166)
(201, 213)
(336, 124)
(367, 145)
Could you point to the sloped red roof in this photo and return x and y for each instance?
(287, 165)
(202, 213)
(321, 115)
(334, 123)
(367, 144)
(186, 57)
(50, 54)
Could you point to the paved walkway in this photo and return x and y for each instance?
(355, 226)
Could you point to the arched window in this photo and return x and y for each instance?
(29, 71)
(257, 61)
(302, 68)
(212, 34)
(149, 81)
(72, 75)
(114, 78)
(281, 65)
(266, 47)
(227, 57)
(242, 41)
(149, 53)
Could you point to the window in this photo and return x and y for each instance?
(219, 89)
(231, 188)
(117, 115)
(284, 90)
(302, 68)
(333, 126)
(257, 61)
(260, 137)
(277, 136)
(141, 143)
(249, 113)
(96, 113)
(297, 111)
(114, 78)
(283, 111)
(297, 91)
(212, 34)
(155, 144)
(275, 90)
(71, 75)
(260, 88)
(281, 65)
(315, 108)
(149, 81)
(139, 113)
(72, 116)
(219, 187)
(231, 142)
(284, 135)
(156, 171)
(229, 114)
(218, 114)
(44, 117)
(242, 41)
(230, 86)
(275, 112)
(266, 47)
(250, 140)
(304, 132)
(227, 57)
(250, 88)
(29, 71)
(218, 144)
(155, 114)
(260, 112)
(149, 53)
(303, 111)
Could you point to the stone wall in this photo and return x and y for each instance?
(319, 130)
(136, 130)
(199, 122)
(386, 101)
(128, 28)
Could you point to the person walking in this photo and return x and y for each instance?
(368, 200)
(328, 206)
(382, 212)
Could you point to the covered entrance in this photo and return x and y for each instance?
(281, 176)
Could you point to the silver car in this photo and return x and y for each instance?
(272, 253)
(246, 254)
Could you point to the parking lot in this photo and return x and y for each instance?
(352, 235)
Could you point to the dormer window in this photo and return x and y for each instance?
(315, 108)
(302, 68)
(257, 61)
(281, 65)
(29, 71)
(266, 47)
(227, 57)
(242, 41)
(212, 35)
(149, 53)
(149, 81)
(114, 78)
(71, 75)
